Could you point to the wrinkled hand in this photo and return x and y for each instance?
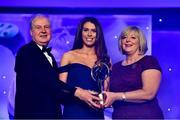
(88, 97)
(110, 98)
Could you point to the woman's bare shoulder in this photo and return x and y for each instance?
(70, 54)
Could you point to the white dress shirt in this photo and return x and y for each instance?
(47, 56)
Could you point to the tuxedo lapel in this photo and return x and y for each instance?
(38, 53)
(53, 61)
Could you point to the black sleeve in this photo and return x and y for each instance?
(35, 73)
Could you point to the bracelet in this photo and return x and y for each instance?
(123, 97)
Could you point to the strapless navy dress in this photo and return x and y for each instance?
(79, 75)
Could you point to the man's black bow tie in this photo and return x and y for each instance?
(46, 49)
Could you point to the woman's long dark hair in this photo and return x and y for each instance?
(100, 46)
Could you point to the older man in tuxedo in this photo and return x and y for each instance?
(39, 92)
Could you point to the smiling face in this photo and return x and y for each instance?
(130, 43)
(41, 30)
(89, 34)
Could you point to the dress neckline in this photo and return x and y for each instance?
(133, 63)
(81, 65)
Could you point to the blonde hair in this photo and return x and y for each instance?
(140, 35)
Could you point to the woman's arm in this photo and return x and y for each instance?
(151, 80)
(64, 61)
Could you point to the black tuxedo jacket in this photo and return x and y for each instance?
(38, 90)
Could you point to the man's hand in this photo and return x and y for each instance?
(88, 97)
